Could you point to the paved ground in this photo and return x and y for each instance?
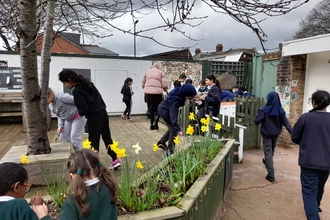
(252, 197)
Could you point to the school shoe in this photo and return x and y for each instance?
(115, 164)
(129, 120)
(162, 146)
(152, 127)
(123, 117)
(270, 178)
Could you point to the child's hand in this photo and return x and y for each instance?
(59, 130)
(40, 210)
(180, 133)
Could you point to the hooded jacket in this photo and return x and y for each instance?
(154, 82)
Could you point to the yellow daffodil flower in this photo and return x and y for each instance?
(139, 165)
(203, 121)
(191, 116)
(121, 152)
(176, 140)
(204, 128)
(24, 159)
(217, 127)
(114, 145)
(155, 148)
(137, 148)
(207, 121)
(190, 130)
(86, 144)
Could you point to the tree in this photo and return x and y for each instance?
(317, 22)
(95, 18)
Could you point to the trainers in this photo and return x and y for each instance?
(115, 164)
(129, 120)
(123, 116)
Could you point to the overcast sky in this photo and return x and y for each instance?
(217, 28)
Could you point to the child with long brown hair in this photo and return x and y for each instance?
(94, 193)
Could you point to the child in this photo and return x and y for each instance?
(126, 90)
(94, 193)
(13, 186)
(214, 95)
(90, 104)
(202, 86)
(176, 83)
(272, 117)
(168, 110)
(70, 123)
(311, 132)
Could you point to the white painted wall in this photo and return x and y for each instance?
(317, 76)
(107, 74)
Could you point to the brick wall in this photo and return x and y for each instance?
(292, 68)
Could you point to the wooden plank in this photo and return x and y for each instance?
(9, 114)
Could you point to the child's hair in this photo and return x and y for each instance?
(86, 162)
(11, 173)
(212, 77)
(242, 88)
(189, 81)
(67, 75)
(202, 82)
(182, 76)
(176, 83)
(127, 80)
(49, 91)
(321, 99)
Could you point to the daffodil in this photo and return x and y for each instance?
(191, 116)
(176, 140)
(190, 130)
(203, 120)
(24, 159)
(121, 152)
(114, 145)
(86, 144)
(155, 148)
(139, 165)
(204, 128)
(137, 148)
(207, 121)
(217, 127)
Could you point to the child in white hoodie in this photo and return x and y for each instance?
(70, 123)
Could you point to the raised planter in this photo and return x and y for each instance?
(203, 200)
(52, 166)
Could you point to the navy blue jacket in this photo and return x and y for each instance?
(271, 125)
(226, 95)
(213, 99)
(311, 132)
(169, 112)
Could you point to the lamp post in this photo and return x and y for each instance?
(135, 22)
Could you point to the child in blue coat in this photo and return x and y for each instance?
(168, 110)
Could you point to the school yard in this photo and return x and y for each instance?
(251, 196)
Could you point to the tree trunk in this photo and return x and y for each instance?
(36, 127)
(46, 56)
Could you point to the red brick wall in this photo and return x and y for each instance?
(61, 46)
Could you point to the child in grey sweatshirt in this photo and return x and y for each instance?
(70, 123)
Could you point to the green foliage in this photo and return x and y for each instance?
(57, 186)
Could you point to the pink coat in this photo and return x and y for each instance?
(154, 81)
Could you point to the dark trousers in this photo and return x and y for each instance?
(269, 145)
(169, 136)
(312, 185)
(98, 124)
(153, 100)
(127, 111)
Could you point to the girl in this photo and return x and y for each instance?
(213, 97)
(70, 123)
(126, 90)
(94, 193)
(202, 86)
(311, 132)
(168, 110)
(13, 186)
(272, 117)
(90, 104)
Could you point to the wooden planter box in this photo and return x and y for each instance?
(204, 199)
(52, 166)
